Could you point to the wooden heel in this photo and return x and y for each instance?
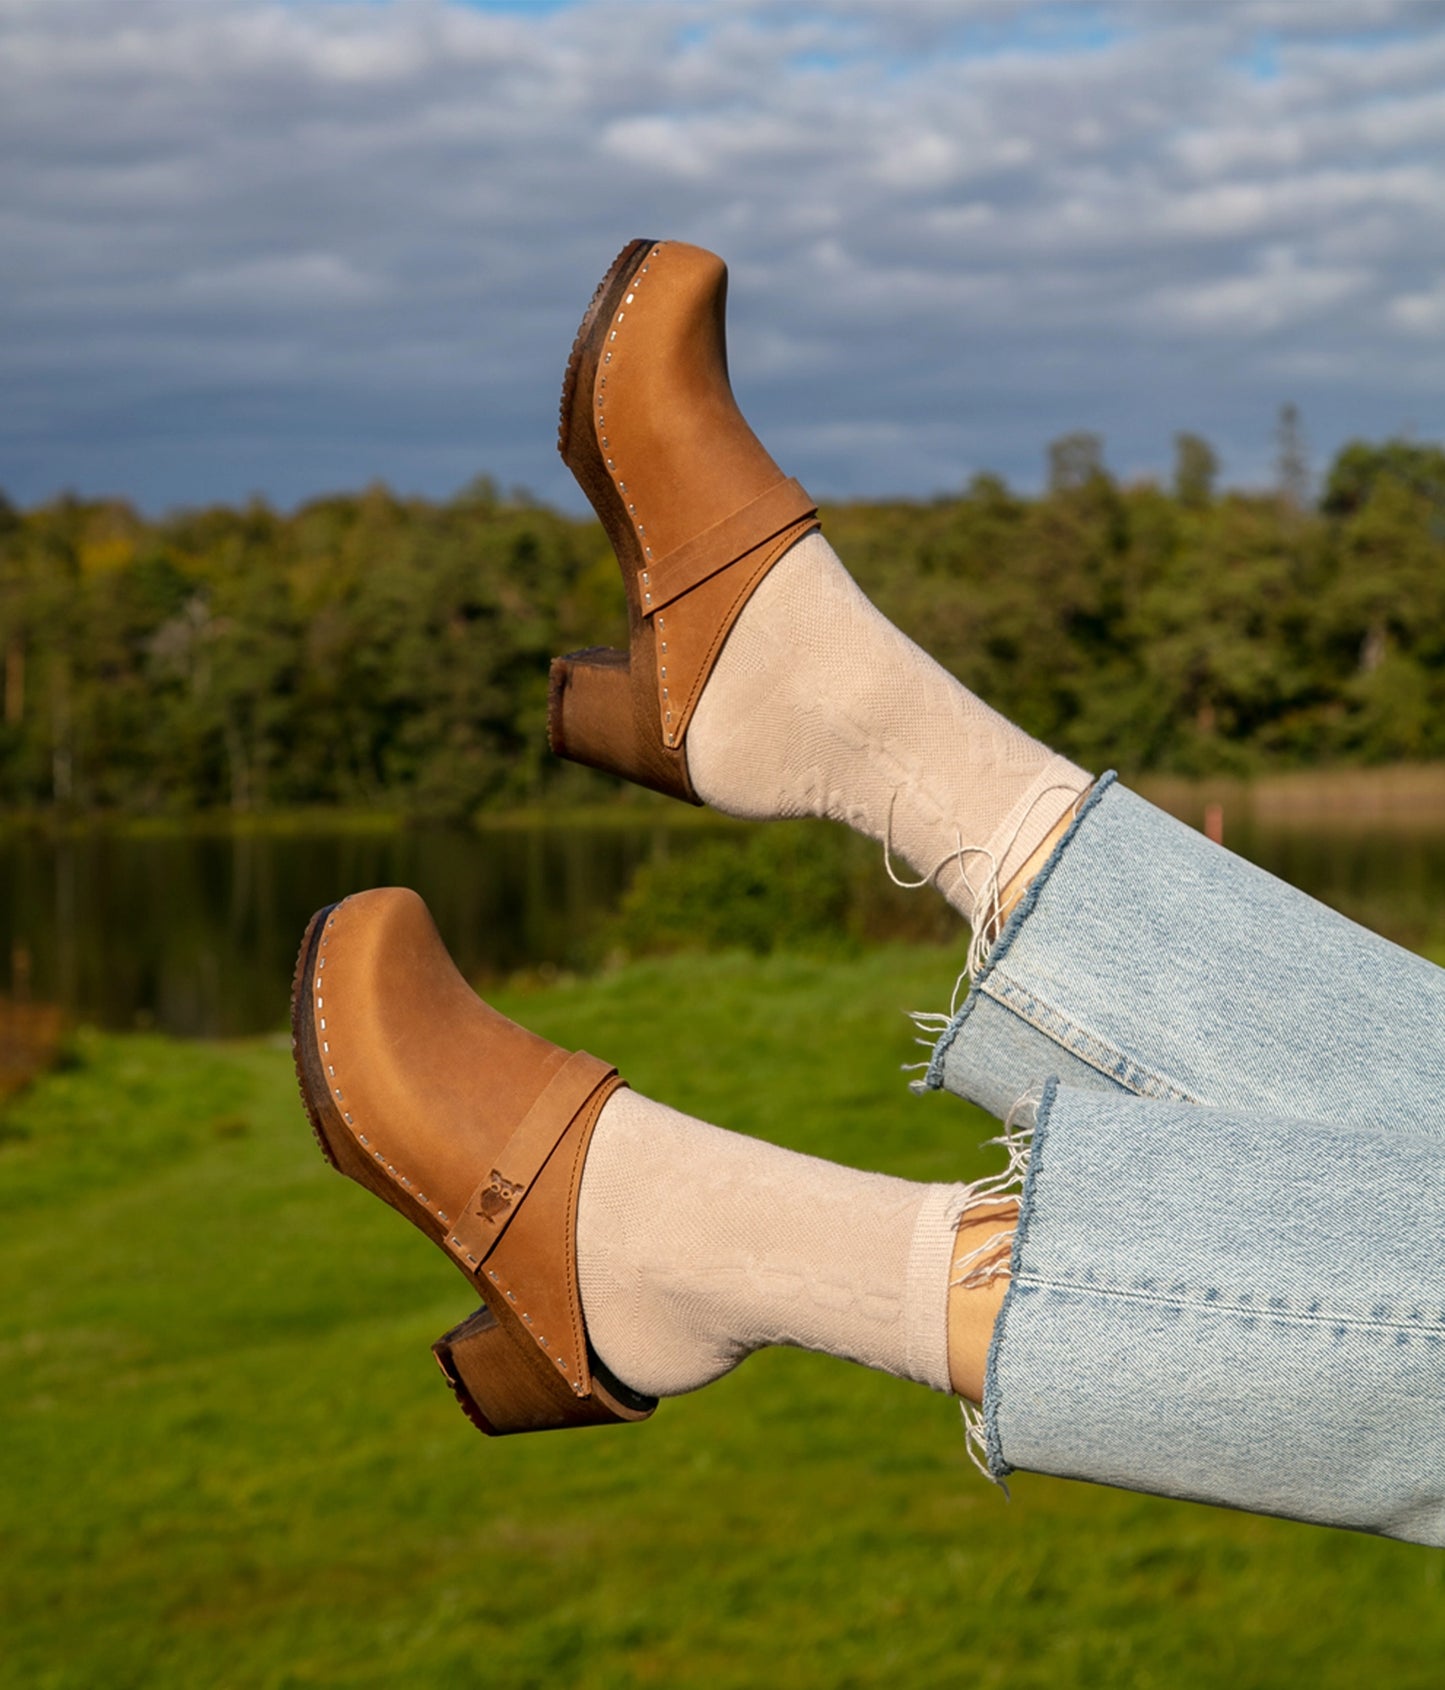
(592, 718)
(503, 1388)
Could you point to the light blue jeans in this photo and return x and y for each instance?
(1229, 1273)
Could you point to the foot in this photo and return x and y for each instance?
(696, 510)
(471, 1127)
(758, 677)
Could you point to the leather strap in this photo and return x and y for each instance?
(784, 503)
(498, 1196)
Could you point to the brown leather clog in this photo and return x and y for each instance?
(474, 1129)
(696, 510)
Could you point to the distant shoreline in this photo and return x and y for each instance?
(1402, 794)
(1399, 794)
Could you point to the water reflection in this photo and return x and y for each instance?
(1389, 879)
(197, 935)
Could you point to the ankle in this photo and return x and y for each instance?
(978, 1283)
(1016, 889)
(696, 1247)
(819, 706)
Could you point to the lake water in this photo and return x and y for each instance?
(197, 935)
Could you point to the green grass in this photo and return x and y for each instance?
(228, 1460)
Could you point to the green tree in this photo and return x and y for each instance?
(1195, 470)
(1074, 461)
(1292, 464)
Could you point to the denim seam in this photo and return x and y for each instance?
(1105, 1058)
(933, 1079)
(998, 1466)
(1253, 1311)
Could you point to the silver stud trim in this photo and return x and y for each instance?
(605, 445)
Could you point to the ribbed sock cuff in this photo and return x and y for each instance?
(930, 1262)
(1053, 791)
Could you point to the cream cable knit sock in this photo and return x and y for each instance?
(696, 1247)
(819, 706)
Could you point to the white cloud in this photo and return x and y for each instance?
(294, 278)
(324, 241)
(1281, 292)
(1420, 313)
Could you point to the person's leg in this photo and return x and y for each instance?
(759, 678)
(625, 1251)
(1240, 1308)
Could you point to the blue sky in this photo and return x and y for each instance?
(289, 246)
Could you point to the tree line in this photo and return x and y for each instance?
(372, 651)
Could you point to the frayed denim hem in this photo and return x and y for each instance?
(933, 1078)
(994, 1462)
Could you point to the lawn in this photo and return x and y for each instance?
(229, 1460)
